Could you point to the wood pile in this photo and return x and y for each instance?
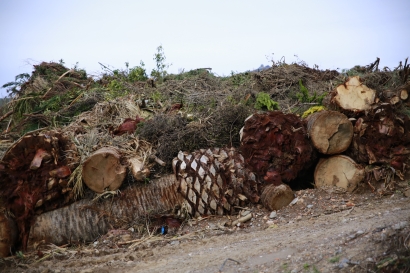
(362, 136)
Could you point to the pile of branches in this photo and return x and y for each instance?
(146, 124)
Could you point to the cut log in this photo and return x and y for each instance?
(276, 146)
(214, 181)
(331, 132)
(85, 220)
(103, 170)
(8, 235)
(340, 171)
(395, 96)
(276, 197)
(353, 96)
(26, 181)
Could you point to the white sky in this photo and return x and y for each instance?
(222, 34)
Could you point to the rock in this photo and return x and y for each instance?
(400, 225)
(407, 193)
(273, 215)
(309, 206)
(344, 263)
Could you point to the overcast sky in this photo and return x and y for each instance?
(221, 34)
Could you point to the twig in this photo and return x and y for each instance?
(349, 211)
(229, 259)
(6, 115)
(67, 72)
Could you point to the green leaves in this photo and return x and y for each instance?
(304, 96)
(264, 102)
(160, 72)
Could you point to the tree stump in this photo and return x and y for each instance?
(276, 197)
(103, 170)
(331, 132)
(340, 171)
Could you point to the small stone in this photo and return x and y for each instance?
(174, 243)
(309, 206)
(407, 193)
(370, 260)
(344, 263)
(360, 232)
(400, 225)
(245, 212)
(273, 214)
(294, 201)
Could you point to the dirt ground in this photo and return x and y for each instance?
(322, 231)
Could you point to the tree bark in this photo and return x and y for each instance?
(86, 220)
(34, 176)
(214, 181)
(340, 171)
(103, 170)
(382, 137)
(8, 235)
(331, 132)
(276, 146)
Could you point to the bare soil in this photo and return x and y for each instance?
(323, 231)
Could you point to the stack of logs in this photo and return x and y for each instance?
(362, 135)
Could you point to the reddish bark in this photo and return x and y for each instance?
(275, 146)
(382, 138)
(27, 182)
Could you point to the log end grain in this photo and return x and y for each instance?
(276, 197)
(103, 170)
(340, 171)
(353, 95)
(331, 132)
